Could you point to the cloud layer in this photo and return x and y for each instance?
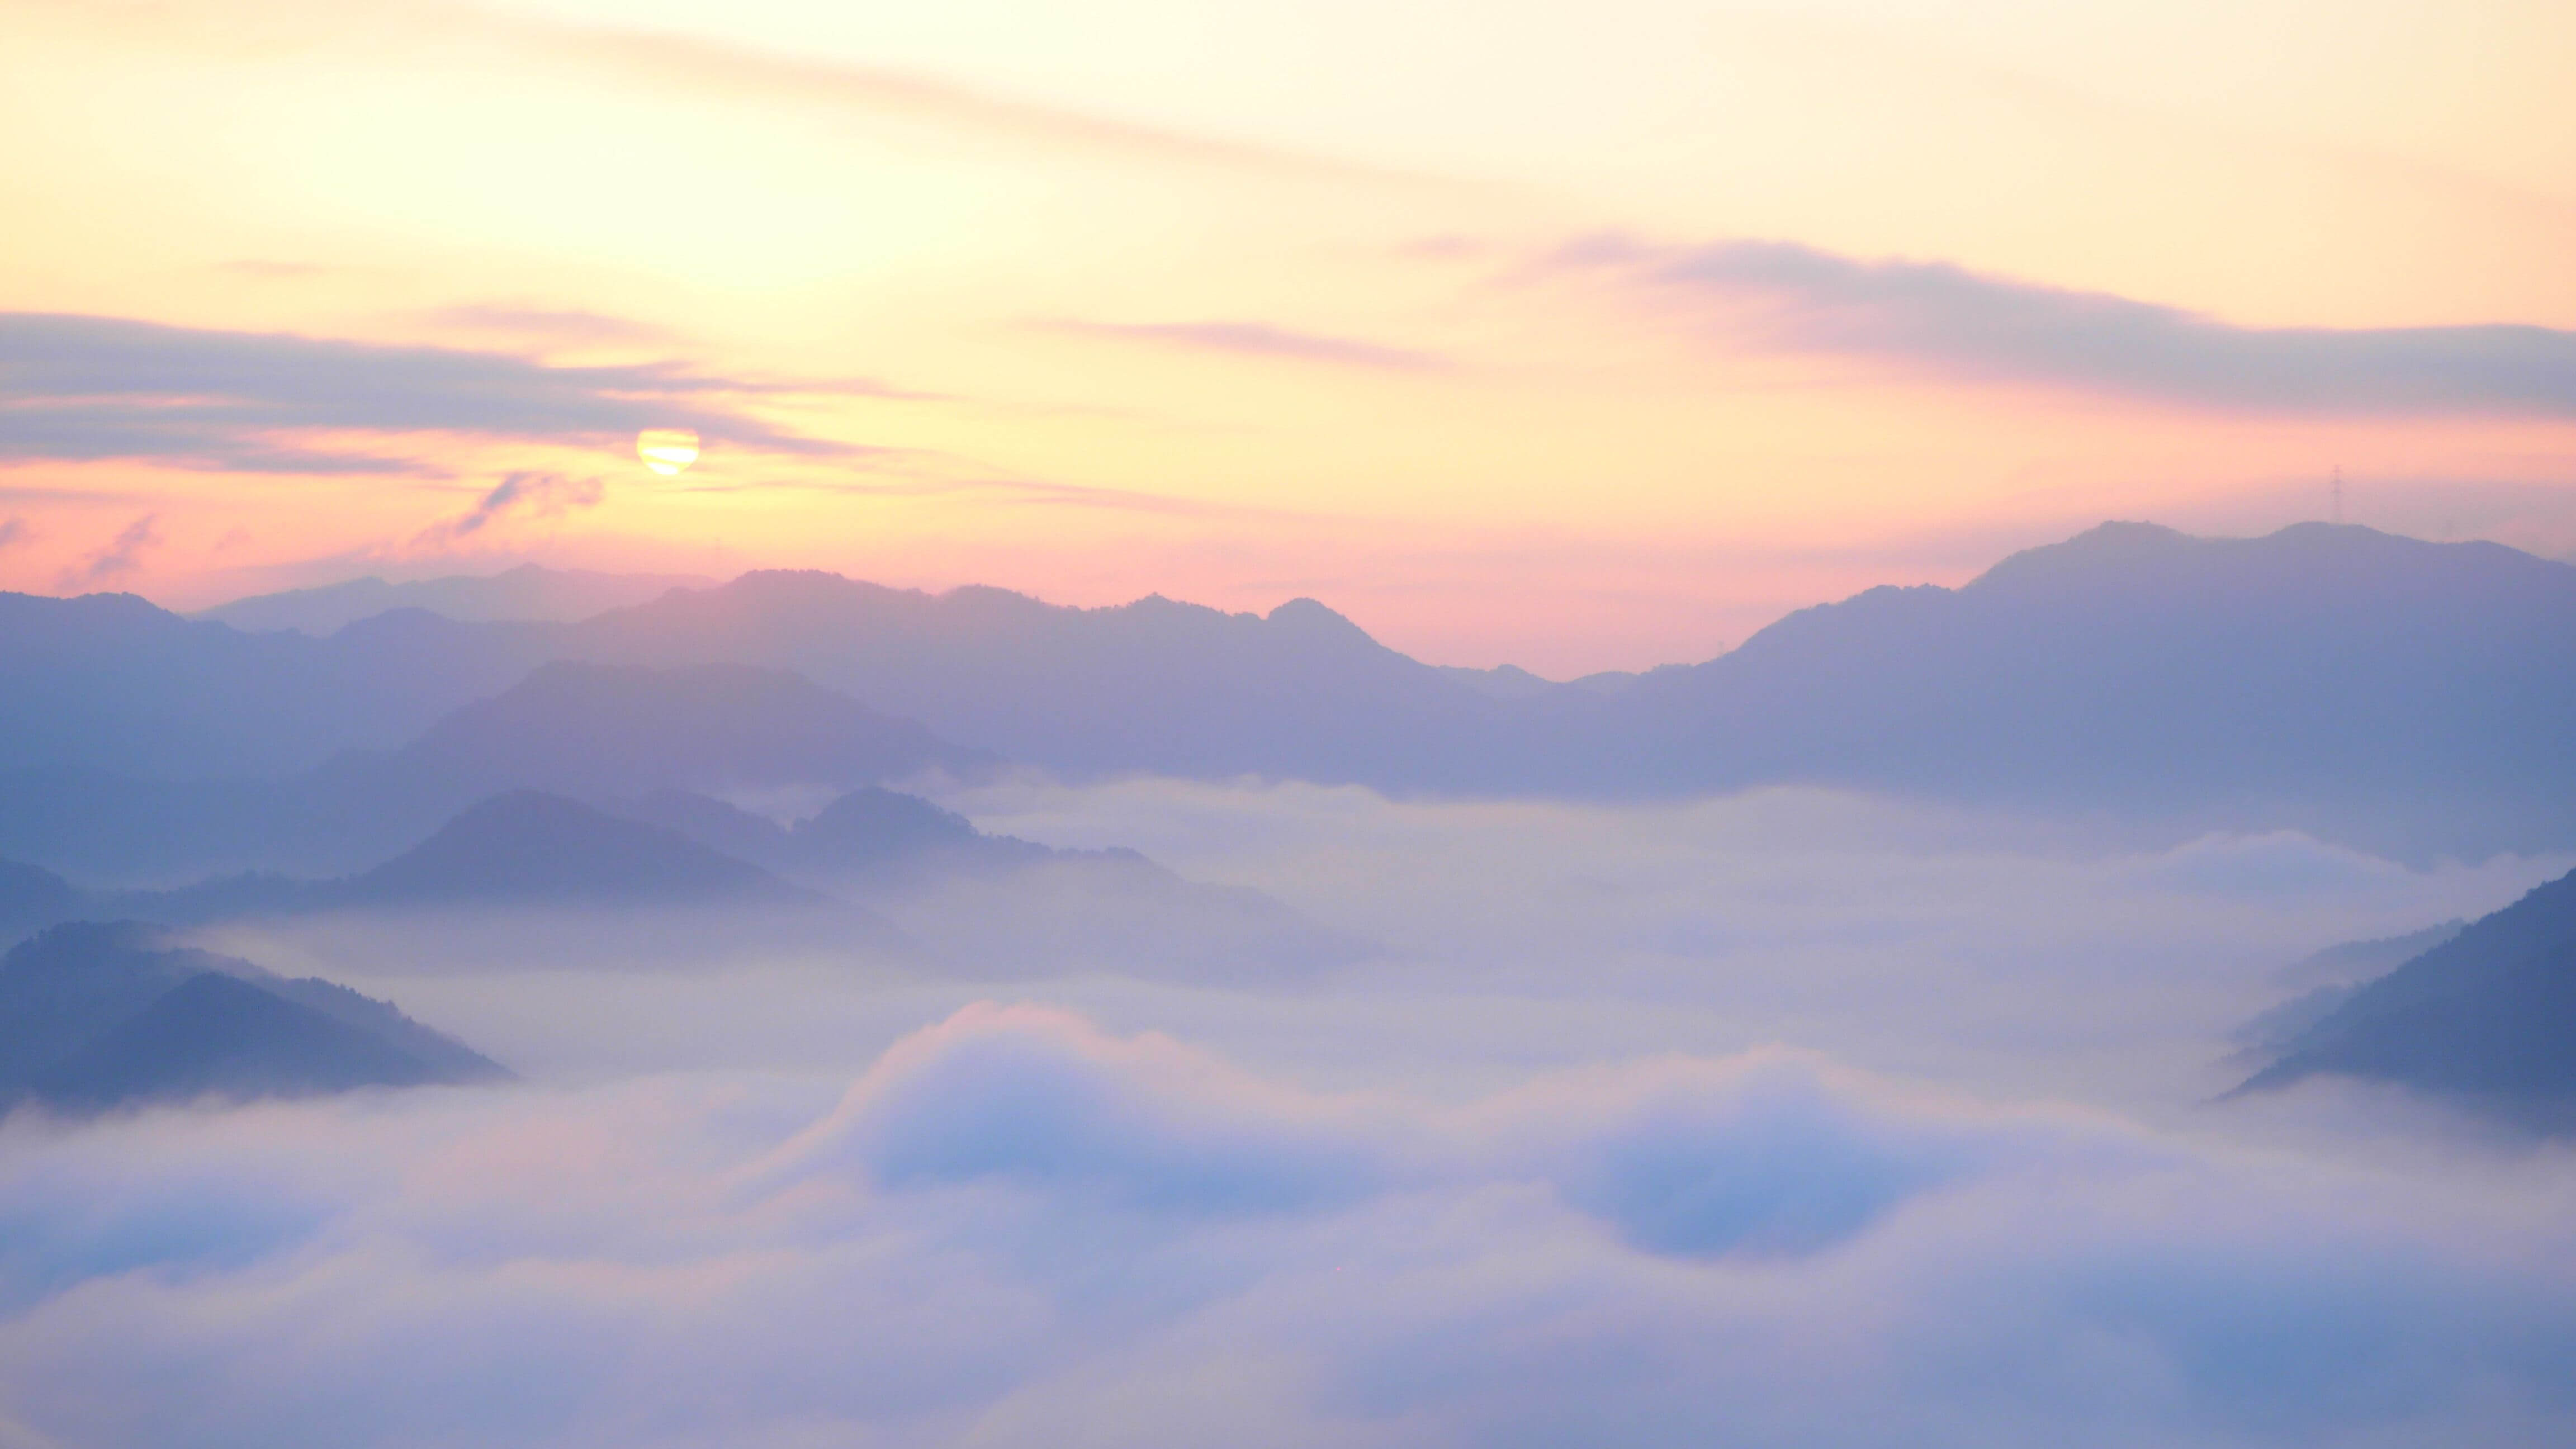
(1955, 323)
(540, 495)
(120, 555)
(1260, 339)
(79, 387)
(1018, 1229)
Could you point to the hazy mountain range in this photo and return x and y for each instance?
(2414, 697)
(519, 848)
(992, 903)
(1010, 905)
(529, 591)
(590, 731)
(101, 1015)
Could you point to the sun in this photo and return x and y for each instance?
(667, 451)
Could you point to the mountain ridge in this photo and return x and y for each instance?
(527, 593)
(2400, 695)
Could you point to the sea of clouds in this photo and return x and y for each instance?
(1793, 1119)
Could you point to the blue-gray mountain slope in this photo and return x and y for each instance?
(2487, 1018)
(99, 1015)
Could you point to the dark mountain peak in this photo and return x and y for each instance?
(85, 626)
(881, 822)
(2488, 1017)
(793, 612)
(2104, 549)
(448, 1059)
(118, 607)
(214, 1034)
(989, 601)
(531, 847)
(1165, 617)
(791, 590)
(2125, 536)
(799, 581)
(78, 936)
(1309, 618)
(2302, 555)
(101, 1013)
(717, 824)
(61, 988)
(32, 895)
(873, 832)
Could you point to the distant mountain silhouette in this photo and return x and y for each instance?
(995, 901)
(2413, 697)
(2487, 1018)
(1156, 684)
(101, 1015)
(518, 850)
(108, 682)
(528, 592)
(2272, 1031)
(2355, 962)
(597, 730)
(2331, 976)
(213, 1034)
(68, 985)
(587, 730)
(874, 831)
(2410, 697)
(31, 897)
(445, 1058)
(531, 848)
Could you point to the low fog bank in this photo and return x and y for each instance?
(1797, 1118)
(1447, 949)
(2019, 954)
(1017, 1228)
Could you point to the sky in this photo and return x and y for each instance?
(1574, 336)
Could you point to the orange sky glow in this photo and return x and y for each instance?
(1575, 336)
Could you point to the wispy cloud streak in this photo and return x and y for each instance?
(1258, 339)
(677, 63)
(121, 555)
(670, 62)
(539, 495)
(549, 324)
(80, 387)
(1956, 323)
